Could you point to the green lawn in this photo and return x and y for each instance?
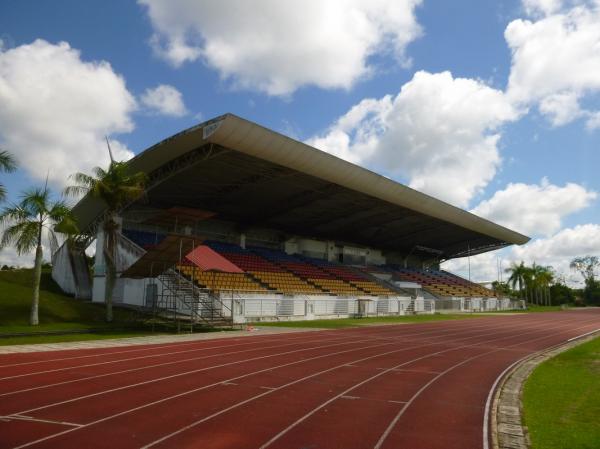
(562, 400)
(353, 322)
(534, 308)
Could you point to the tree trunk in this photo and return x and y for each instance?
(111, 269)
(34, 319)
(109, 285)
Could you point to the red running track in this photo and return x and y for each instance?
(420, 386)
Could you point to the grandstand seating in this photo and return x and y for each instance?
(442, 283)
(265, 271)
(219, 282)
(357, 280)
(276, 271)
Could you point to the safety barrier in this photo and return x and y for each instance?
(457, 305)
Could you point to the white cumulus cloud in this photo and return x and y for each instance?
(55, 110)
(277, 46)
(542, 7)
(164, 99)
(439, 132)
(556, 251)
(559, 249)
(535, 209)
(556, 58)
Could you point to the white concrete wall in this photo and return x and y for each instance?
(62, 272)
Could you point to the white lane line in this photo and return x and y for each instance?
(156, 365)
(287, 429)
(444, 331)
(486, 414)
(428, 384)
(584, 335)
(108, 362)
(267, 370)
(305, 338)
(345, 342)
(155, 347)
(30, 418)
(313, 375)
(185, 373)
(212, 385)
(320, 346)
(344, 339)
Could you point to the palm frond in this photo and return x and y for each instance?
(8, 163)
(24, 221)
(14, 213)
(23, 236)
(99, 173)
(35, 200)
(83, 179)
(75, 191)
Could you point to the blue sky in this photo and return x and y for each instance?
(491, 106)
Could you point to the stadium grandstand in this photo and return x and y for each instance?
(240, 223)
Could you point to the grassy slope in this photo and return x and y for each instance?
(562, 400)
(57, 312)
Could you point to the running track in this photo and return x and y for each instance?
(419, 386)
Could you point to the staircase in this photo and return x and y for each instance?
(181, 296)
(410, 309)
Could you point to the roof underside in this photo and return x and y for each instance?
(250, 188)
(257, 193)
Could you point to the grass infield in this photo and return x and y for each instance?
(561, 400)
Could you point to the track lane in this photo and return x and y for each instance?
(144, 422)
(253, 385)
(256, 426)
(125, 381)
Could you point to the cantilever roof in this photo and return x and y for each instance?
(257, 177)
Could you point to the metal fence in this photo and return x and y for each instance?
(456, 305)
(257, 307)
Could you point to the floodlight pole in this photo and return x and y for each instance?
(469, 264)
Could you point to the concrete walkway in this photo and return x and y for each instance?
(150, 340)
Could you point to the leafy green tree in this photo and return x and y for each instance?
(24, 225)
(587, 267)
(116, 187)
(561, 294)
(7, 165)
(501, 288)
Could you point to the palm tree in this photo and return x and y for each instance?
(24, 224)
(7, 165)
(545, 277)
(116, 187)
(517, 276)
